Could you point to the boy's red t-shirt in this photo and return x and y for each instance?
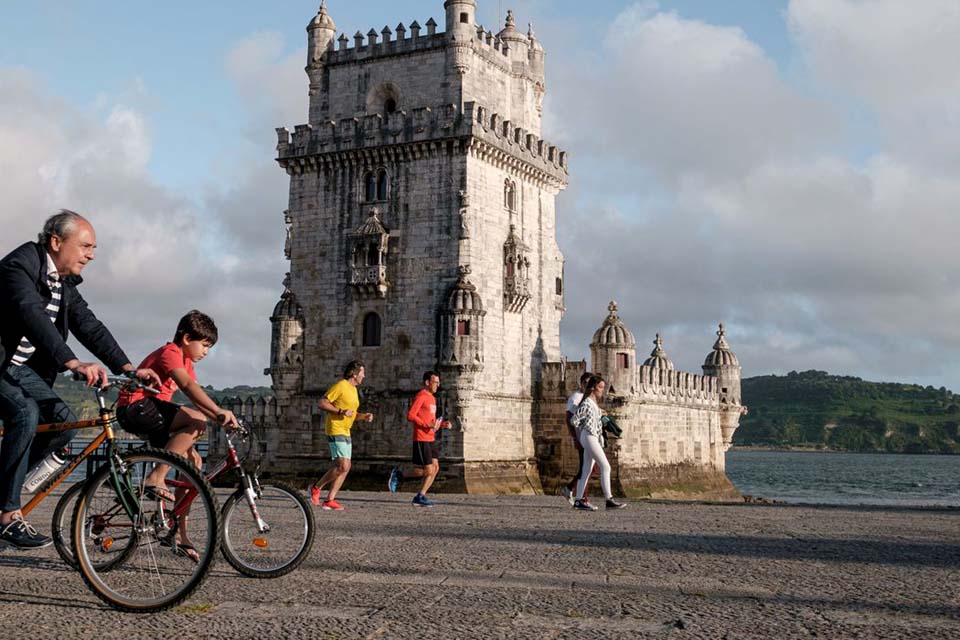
(162, 361)
(423, 415)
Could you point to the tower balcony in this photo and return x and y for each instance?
(370, 280)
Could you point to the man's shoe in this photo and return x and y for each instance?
(394, 482)
(568, 494)
(584, 505)
(314, 494)
(19, 533)
(331, 505)
(421, 500)
(613, 504)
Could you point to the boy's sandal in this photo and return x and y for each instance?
(156, 492)
(182, 549)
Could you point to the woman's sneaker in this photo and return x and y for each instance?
(584, 505)
(613, 504)
(314, 494)
(331, 505)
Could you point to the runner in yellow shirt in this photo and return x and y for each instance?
(340, 402)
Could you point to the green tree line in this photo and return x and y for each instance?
(844, 413)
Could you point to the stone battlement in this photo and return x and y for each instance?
(501, 141)
(384, 43)
(560, 379)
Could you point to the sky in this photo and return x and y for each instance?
(789, 168)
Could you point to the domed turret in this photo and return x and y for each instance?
(723, 364)
(320, 34)
(286, 356)
(614, 353)
(461, 326)
(721, 356)
(658, 358)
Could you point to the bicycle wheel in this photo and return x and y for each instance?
(116, 503)
(116, 549)
(275, 549)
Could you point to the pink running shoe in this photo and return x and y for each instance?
(331, 505)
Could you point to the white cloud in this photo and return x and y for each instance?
(719, 189)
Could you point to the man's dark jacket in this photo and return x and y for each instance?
(24, 296)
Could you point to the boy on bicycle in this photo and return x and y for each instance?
(155, 418)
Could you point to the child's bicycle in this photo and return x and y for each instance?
(267, 539)
(123, 535)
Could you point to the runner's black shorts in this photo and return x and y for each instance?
(424, 453)
(149, 419)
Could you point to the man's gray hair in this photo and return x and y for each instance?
(60, 224)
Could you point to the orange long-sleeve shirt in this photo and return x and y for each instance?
(423, 415)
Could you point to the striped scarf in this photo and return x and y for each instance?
(25, 350)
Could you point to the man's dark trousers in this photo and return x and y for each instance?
(25, 401)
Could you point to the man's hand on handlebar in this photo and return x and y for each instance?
(90, 372)
(149, 376)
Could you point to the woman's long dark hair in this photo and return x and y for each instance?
(592, 385)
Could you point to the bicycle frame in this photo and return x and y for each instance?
(105, 422)
(250, 484)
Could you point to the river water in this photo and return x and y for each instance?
(847, 478)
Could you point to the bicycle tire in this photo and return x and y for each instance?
(157, 574)
(281, 550)
(60, 527)
(61, 532)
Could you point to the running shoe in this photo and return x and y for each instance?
(568, 494)
(421, 500)
(613, 504)
(314, 494)
(584, 505)
(393, 483)
(331, 505)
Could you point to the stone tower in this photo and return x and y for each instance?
(421, 235)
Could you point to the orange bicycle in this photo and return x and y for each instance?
(124, 538)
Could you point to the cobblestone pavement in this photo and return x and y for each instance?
(531, 567)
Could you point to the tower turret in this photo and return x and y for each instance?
(321, 33)
(536, 57)
(461, 17)
(658, 358)
(286, 354)
(613, 353)
(724, 366)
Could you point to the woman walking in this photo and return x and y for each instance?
(588, 425)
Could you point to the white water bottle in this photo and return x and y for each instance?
(45, 470)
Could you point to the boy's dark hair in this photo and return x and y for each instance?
(586, 375)
(197, 325)
(353, 368)
(428, 375)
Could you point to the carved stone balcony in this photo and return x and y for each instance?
(370, 280)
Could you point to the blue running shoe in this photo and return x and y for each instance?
(421, 500)
(394, 482)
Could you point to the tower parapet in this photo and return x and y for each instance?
(483, 133)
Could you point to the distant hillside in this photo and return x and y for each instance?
(816, 409)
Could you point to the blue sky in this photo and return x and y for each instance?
(788, 167)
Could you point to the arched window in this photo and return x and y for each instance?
(373, 255)
(389, 106)
(623, 360)
(464, 18)
(382, 184)
(369, 187)
(372, 330)
(559, 286)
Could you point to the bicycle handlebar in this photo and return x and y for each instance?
(121, 380)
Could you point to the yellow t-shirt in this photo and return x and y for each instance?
(342, 395)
